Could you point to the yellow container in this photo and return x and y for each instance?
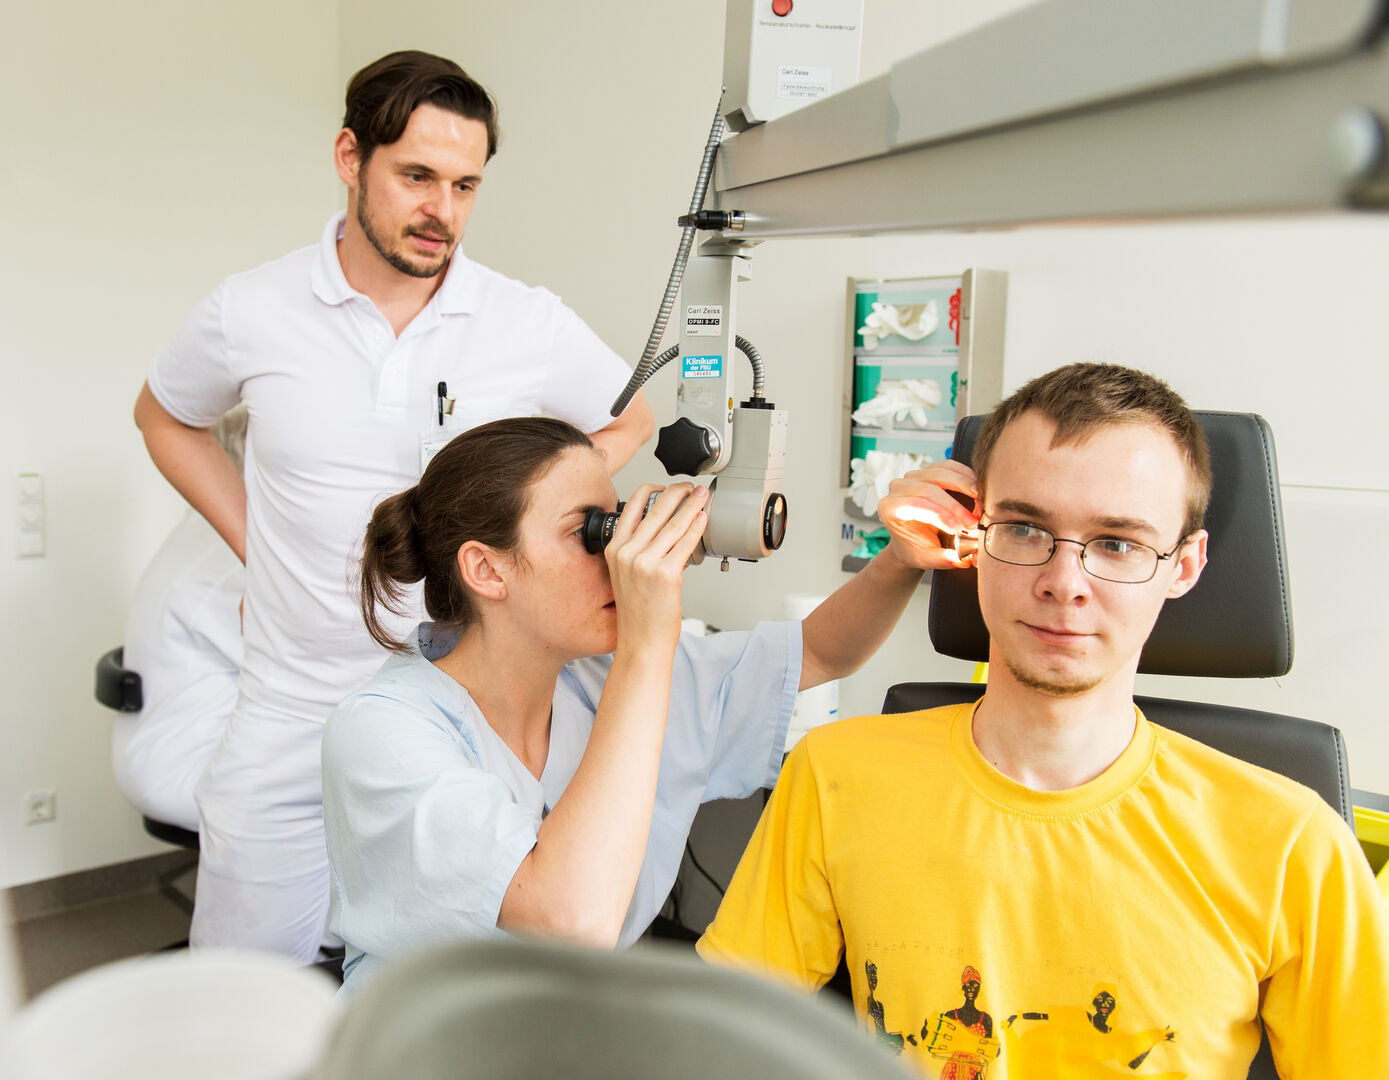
(1372, 829)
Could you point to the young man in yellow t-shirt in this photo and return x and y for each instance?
(1042, 883)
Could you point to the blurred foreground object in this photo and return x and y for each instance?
(513, 1009)
(175, 1016)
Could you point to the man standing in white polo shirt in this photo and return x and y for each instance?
(338, 351)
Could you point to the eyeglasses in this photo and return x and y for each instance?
(1107, 557)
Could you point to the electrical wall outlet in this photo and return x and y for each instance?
(40, 806)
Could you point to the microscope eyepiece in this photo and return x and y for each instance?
(598, 527)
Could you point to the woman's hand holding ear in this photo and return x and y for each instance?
(926, 521)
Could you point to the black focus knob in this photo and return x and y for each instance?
(685, 447)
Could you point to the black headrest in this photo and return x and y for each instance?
(1237, 621)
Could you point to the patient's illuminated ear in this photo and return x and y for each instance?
(483, 570)
(1191, 560)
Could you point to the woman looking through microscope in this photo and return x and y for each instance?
(531, 761)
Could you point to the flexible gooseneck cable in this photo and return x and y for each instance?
(759, 378)
(646, 365)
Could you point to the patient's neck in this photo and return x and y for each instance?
(1050, 743)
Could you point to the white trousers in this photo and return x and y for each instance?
(263, 869)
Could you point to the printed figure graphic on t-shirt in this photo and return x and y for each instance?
(893, 1039)
(1081, 1043)
(963, 1037)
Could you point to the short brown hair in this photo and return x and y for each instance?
(382, 96)
(475, 488)
(1079, 398)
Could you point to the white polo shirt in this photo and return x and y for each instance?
(336, 407)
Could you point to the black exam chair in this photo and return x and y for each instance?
(117, 687)
(1236, 623)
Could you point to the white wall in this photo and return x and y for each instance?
(153, 147)
(150, 148)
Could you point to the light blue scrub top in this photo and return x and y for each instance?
(428, 814)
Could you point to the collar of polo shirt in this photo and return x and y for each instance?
(457, 295)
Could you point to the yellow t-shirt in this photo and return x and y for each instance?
(1127, 927)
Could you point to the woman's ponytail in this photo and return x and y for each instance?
(392, 557)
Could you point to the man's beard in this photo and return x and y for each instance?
(395, 258)
(1075, 688)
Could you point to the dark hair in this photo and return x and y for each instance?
(1079, 398)
(381, 97)
(475, 488)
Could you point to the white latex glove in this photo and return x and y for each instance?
(870, 475)
(897, 400)
(912, 322)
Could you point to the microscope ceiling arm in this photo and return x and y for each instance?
(1084, 110)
